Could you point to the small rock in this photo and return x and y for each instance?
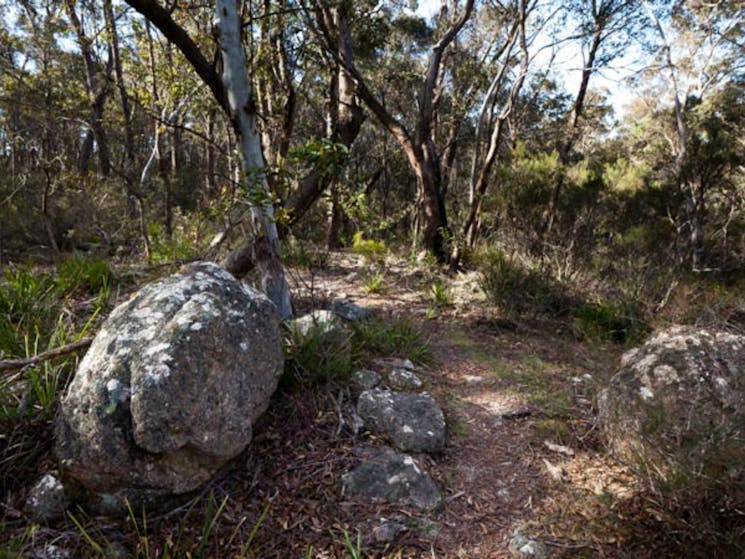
(404, 379)
(414, 422)
(523, 547)
(560, 448)
(116, 550)
(395, 478)
(349, 311)
(557, 473)
(50, 551)
(321, 321)
(402, 363)
(366, 379)
(47, 499)
(388, 530)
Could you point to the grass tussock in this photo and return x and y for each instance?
(40, 311)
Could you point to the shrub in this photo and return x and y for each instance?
(398, 338)
(317, 350)
(621, 321)
(84, 272)
(305, 256)
(371, 250)
(517, 288)
(375, 284)
(165, 250)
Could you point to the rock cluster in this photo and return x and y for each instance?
(413, 422)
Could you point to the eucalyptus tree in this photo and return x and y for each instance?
(492, 118)
(232, 91)
(343, 113)
(418, 141)
(97, 77)
(698, 54)
(605, 29)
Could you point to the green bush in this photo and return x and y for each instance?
(305, 256)
(375, 283)
(317, 354)
(373, 251)
(516, 288)
(84, 272)
(621, 322)
(28, 309)
(164, 250)
(399, 338)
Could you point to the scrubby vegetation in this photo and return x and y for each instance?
(580, 207)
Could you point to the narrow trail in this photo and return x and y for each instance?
(509, 390)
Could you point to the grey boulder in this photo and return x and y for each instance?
(394, 478)
(414, 422)
(170, 387)
(365, 379)
(524, 547)
(675, 410)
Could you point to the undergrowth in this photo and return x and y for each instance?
(319, 356)
(40, 311)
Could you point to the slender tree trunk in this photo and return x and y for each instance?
(97, 93)
(111, 29)
(243, 113)
(336, 217)
(210, 182)
(483, 163)
(565, 147)
(345, 116)
(694, 216)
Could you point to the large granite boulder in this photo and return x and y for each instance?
(414, 422)
(171, 385)
(675, 411)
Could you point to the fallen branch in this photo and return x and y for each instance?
(15, 364)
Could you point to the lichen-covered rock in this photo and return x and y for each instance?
(676, 409)
(171, 385)
(403, 379)
(414, 422)
(394, 478)
(386, 530)
(47, 499)
(365, 379)
(523, 547)
(349, 311)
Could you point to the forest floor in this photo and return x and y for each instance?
(522, 454)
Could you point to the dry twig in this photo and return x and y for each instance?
(15, 364)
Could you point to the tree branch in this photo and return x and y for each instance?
(15, 364)
(161, 18)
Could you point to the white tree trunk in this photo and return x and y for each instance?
(243, 112)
